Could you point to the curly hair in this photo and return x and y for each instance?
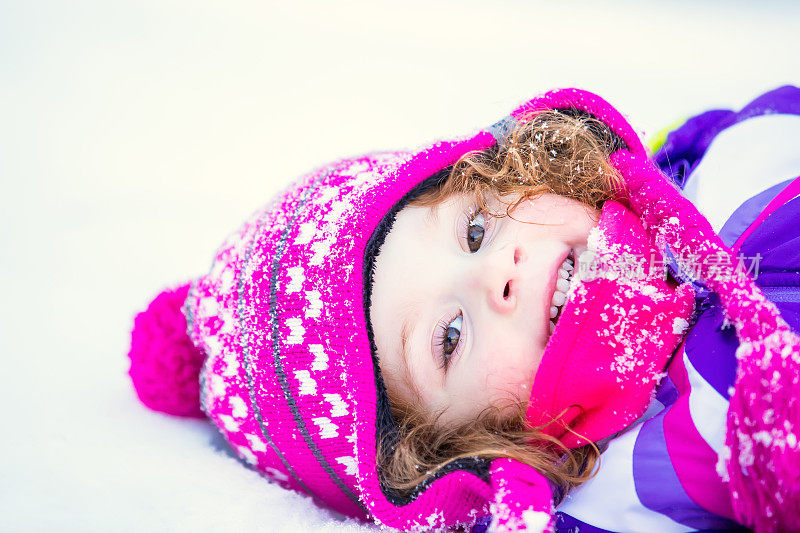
(558, 152)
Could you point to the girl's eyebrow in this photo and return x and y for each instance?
(405, 332)
(405, 369)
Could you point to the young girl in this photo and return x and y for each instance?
(452, 336)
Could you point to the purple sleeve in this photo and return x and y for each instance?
(686, 145)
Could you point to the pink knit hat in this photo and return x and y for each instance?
(280, 326)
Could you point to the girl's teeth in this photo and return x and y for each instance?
(559, 298)
(562, 287)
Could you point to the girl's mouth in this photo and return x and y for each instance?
(565, 272)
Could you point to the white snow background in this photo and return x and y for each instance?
(135, 135)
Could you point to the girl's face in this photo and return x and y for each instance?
(461, 301)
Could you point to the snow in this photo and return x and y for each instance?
(136, 136)
(535, 521)
(679, 325)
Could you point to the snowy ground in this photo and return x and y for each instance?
(135, 135)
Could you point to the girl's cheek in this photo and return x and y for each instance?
(510, 383)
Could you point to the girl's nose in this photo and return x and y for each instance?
(500, 278)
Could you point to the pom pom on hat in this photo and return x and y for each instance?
(165, 365)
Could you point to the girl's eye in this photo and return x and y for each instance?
(448, 335)
(475, 231)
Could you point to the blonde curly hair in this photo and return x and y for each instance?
(561, 152)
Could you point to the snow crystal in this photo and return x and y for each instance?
(307, 384)
(658, 377)
(763, 437)
(535, 521)
(679, 325)
(435, 520)
(722, 460)
(327, 428)
(746, 457)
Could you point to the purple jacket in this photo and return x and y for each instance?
(661, 474)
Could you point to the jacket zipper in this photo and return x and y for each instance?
(787, 294)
